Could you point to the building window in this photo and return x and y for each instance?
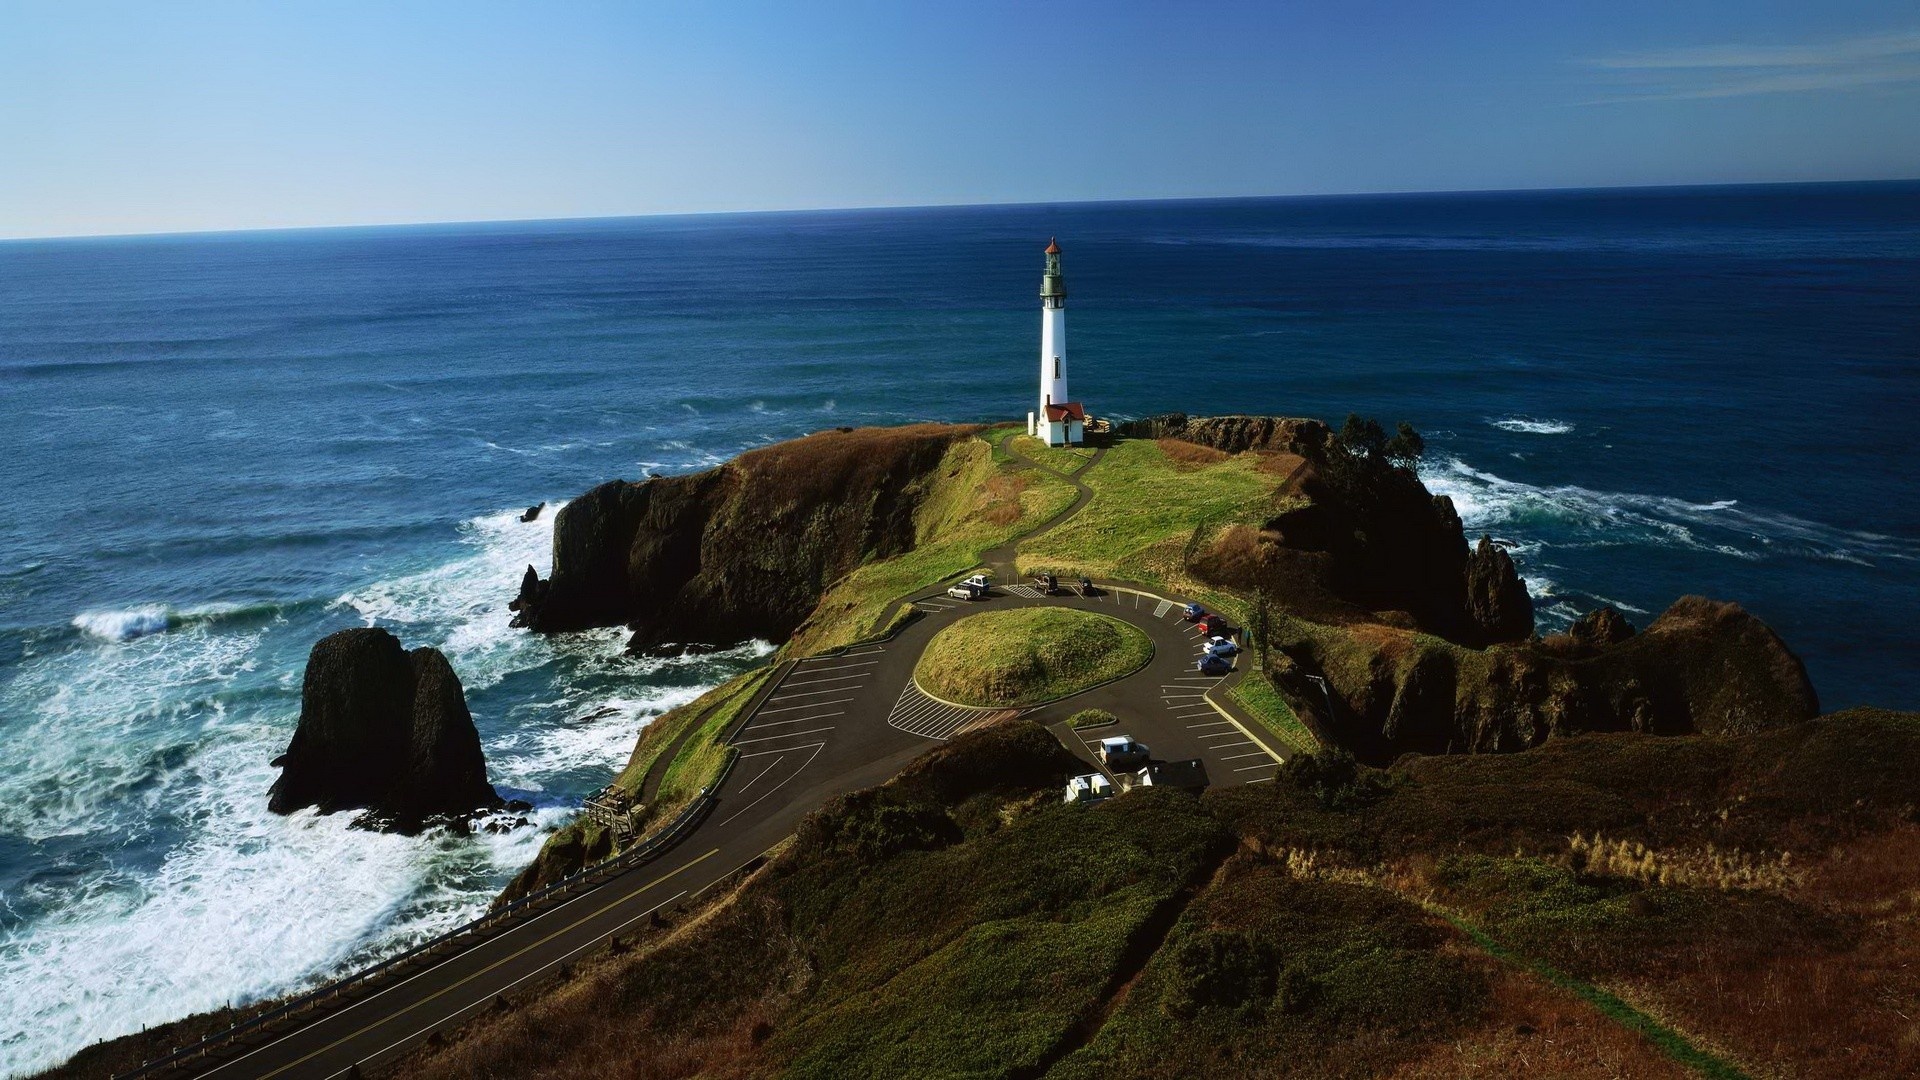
(1056, 367)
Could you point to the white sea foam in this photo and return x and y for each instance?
(1529, 426)
(1489, 502)
(143, 758)
(124, 625)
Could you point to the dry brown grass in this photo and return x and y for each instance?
(1829, 1013)
(1278, 462)
(1000, 498)
(1532, 1028)
(1707, 867)
(1184, 453)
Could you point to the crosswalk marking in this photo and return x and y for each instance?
(932, 718)
(1027, 591)
(1161, 611)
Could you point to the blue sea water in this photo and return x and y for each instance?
(220, 447)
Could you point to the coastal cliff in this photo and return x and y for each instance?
(384, 730)
(743, 550)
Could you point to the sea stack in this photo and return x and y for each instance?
(384, 730)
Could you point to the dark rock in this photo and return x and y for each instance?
(532, 592)
(1498, 604)
(385, 731)
(533, 512)
(1600, 628)
(1231, 434)
(744, 550)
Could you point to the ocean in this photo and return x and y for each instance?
(221, 447)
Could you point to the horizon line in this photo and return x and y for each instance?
(561, 219)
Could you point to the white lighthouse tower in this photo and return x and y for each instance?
(1061, 421)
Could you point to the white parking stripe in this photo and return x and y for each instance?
(1220, 735)
(836, 678)
(1237, 757)
(809, 705)
(809, 693)
(842, 667)
(1231, 745)
(788, 735)
(1261, 780)
(1250, 768)
(782, 750)
(1212, 723)
(795, 720)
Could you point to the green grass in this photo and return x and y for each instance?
(1143, 500)
(703, 755)
(1257, 695)
(975, 503)
(1028, 656)
(1066, 459)
(1091, 718)
(669, 726)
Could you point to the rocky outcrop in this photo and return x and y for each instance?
(1703, 666)
(740, 551)
(533, 512)
(383, 730)
(1498, 605)
(1232, 434)
(1599, 628)
(1356, 537)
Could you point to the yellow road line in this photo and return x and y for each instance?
(512, 956)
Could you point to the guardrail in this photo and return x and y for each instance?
(206, 1051)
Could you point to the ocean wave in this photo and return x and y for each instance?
(129, 623)
(1528, 426)
(1585, 517)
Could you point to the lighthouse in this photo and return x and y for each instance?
(1061, 421)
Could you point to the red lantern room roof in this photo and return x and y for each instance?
(1053, 246)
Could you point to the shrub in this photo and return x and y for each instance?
(1091, 718)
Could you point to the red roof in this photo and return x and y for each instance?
(1053, 246)
(1070, 409)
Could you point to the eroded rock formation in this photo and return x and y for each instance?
(739, 551)
(383, 730)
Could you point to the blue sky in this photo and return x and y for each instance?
(175, 116)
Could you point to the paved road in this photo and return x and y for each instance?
(833, 724)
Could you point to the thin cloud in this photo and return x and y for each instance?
(1725, 71)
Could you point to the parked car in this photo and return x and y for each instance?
(1222, 647)
(1195, 613)
(1215, 626)
(976, 587)
(1214, 664)
(1122, 752)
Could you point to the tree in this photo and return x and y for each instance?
(1362, 436)
(1406, 447)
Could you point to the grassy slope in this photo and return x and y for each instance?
(1067, 459)
(1425, 922)
(1029, 656)
(1142, 499)
(979, 500)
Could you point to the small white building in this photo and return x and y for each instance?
(1060, 421)
(1089, 788)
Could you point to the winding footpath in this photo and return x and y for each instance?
(823, 726)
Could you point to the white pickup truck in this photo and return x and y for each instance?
(973, 588)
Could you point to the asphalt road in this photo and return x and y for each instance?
(834, 723)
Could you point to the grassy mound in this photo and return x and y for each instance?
(1028, 656)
